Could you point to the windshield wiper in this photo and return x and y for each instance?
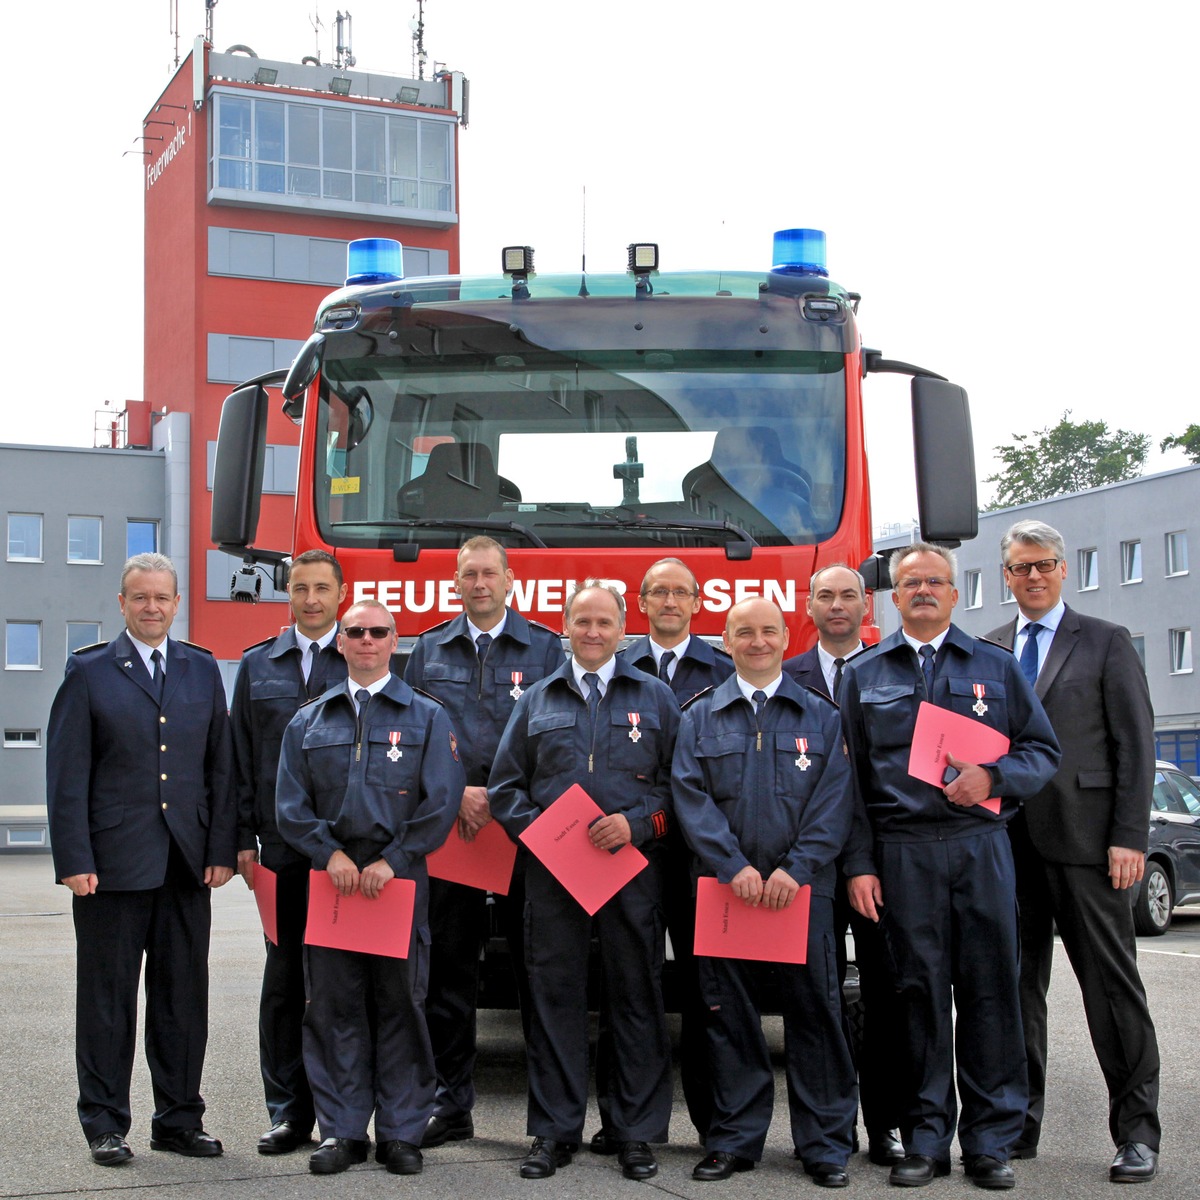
(602, 519)
(462, 523)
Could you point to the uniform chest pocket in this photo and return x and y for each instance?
(511, 678)
(980, 699)
(888, 712)
(329, 753)
(799, 761)
(554, 735)
(722, 758)
(274, 689)
(393, 754)
(446, 681)
(633, 740)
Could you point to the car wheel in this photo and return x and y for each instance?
(1154, 902)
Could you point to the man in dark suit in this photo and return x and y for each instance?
(143, 825)
(277, 677)
(1080, 842)
(837, 603)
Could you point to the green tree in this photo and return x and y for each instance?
(1068, 457)
(1188, 441)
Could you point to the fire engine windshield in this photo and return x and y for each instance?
(627, 448)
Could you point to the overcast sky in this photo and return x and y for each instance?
(1009, 186)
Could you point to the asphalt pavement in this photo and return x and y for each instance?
(42, 1151)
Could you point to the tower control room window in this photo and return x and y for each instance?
(325, 154)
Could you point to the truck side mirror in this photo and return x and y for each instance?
(238, 472)
(947, 505)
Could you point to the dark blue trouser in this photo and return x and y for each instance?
(822, 1097)
(281, 1005)
(557, 940)
(950, 922)
(366, 1047)
(458, 927)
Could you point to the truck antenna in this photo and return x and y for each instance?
(583, 291)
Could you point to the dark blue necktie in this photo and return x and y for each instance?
(838, 667)
(593, 696)
(759, 698)
(927, 652)
(1029, 653)
(664, 666)
(482, 642)
(159, 676)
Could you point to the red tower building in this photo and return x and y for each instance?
(257, 175)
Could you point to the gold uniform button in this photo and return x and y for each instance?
(162, 720)
(163, 777)
(164, 806)
(163, 748)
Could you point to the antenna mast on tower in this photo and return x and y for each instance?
(418, 37)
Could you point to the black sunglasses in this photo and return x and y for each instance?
(378, 632)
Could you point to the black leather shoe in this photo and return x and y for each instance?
(400, 1158)
(335, 1155)
(1023, 1150)
(720, 1164)
(987, 1172)
(916, 1170)
(110, 1150)
(825, 1174)
(885, 1149)
(1134, 1163)
(603, 1142)
(440, 1130)
(637, 1161)
(191, 1143)
(545, 1157)
(282, 1138)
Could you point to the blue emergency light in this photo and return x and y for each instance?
(799, 252)
(374, 260)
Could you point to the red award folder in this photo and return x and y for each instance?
(380, 926)
(486, 862)
(264, 897)
(559, 838)
(727, 927)
(938, 731)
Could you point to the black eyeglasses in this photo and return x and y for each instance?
(1043, 566)
(378, 632)
(661, 593)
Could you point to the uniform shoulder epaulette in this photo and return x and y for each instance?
(546, 628)
(93, 646)
(193, 645)
(818, 693)
(434, 628)
(257, 645)
(427, 695)
(692, 699)
(989, 641)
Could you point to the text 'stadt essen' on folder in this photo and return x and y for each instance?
(727, 927)
(380, 926)
(264, 897)
(485, 862)
(938, 731)
(559, 839)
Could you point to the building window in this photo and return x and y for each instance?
(332, 156)
(1089, 569)
(1181, 651)
(22, 739)
(141, 537)
(1139, 647)
(1177, 562)
(24, 537)
(1131, 562)
(1006, 596)
(973, 589)
(22, 645)
(80, 634)
(83, 539)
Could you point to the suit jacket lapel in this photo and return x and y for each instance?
(177, 665)
(1066, 638)
(129, 662)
